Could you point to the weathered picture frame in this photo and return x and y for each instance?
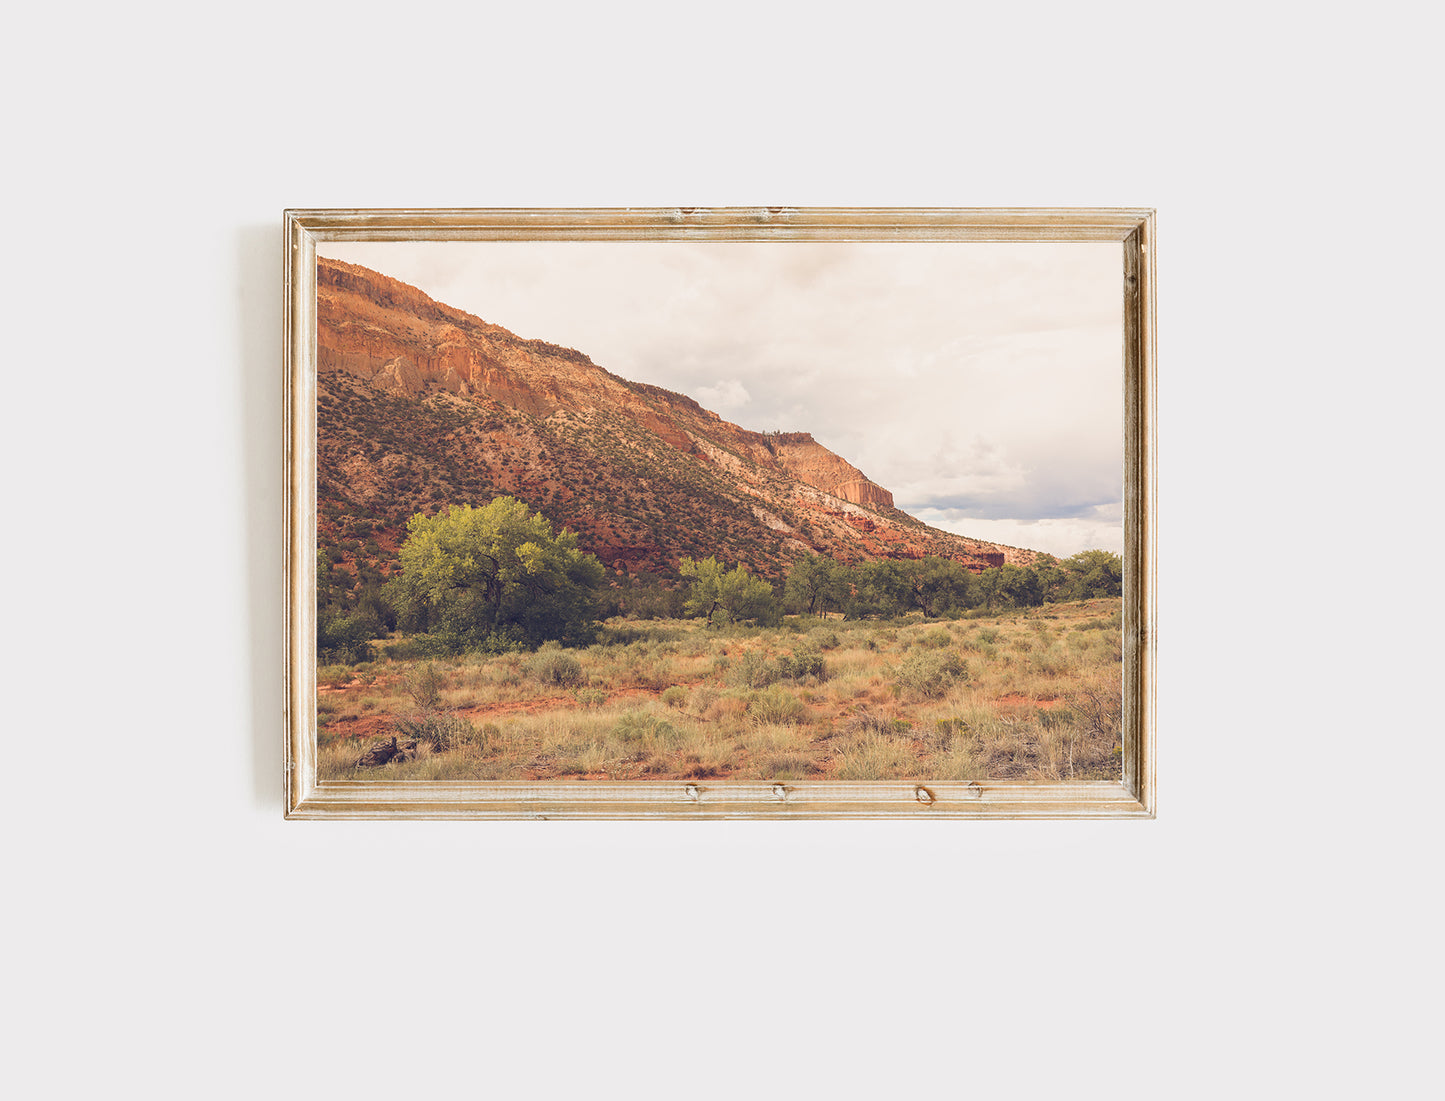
(309, 797)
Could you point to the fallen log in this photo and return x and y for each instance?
(385, 753)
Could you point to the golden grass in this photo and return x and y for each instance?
(1036, 697)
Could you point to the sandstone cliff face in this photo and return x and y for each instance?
(644, 475)
(402, 341)
(371, 325)
(811, 462)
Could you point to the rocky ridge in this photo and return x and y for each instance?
(422, 405)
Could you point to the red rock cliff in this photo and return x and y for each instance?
(402, 341)
(811, 462)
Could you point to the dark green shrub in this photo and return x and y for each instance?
(801, 664)
(342, 640)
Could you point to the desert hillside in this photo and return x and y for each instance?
(421, 405)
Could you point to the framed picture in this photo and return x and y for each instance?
(719, 513)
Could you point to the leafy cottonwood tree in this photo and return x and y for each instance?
(989, 588)
(936, 585)
(498, 574)
(1051, 579)
(816, 583)
(1095, 573)
(880, 588)
(1020, 586)
(737, 594)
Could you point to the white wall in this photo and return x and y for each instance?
(173, 937)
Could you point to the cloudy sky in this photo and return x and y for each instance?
(980, 383)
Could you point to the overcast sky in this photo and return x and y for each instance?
(980, 383)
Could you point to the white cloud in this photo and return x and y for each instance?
(727, 394)
(1059, 537)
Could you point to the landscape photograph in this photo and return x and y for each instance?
(780, 511)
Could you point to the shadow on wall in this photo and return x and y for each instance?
(259, 403)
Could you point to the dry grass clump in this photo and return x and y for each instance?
(788, 766)
(643, 726)
(551, 665)
(334, 676)
(929, 674)
(824, 638)
(867, 724)
(423, 684)
(590, 697)
(777, 705)
(876, 758)
(934, 637)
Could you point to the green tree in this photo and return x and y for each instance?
(1052, 582)
(936, 585)
(815, 584)
(1020, 586)
(880, 588)
(1094, 573)
(375, 610)
(989, 588)
(728, 595)
(346, 622)
(497, 574)
(342, 639)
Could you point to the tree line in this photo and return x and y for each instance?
(885, 588)
(497, 577)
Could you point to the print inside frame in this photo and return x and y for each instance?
(424, 379)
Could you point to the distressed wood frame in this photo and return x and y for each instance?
(1133, 797)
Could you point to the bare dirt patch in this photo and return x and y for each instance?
(1016, 701)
